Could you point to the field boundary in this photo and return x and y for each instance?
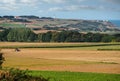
(70, 46)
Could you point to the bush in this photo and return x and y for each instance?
(1, 59)
(18, 75)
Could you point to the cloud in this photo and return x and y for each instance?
(72, 8)
(15, 4)
(54, 1)
(8, 7)
(20, 3)
(62, 1)
(114, 1)
(29, 1)
(82, 7)
(67, 5)
(8, 1)
(12, 2)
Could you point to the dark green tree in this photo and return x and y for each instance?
(108, 38)
(59, 36)
(21, 35)
(73, 36)
(55, 37)
(96, 37)
(3, 35)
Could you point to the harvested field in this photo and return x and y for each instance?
(63, 60)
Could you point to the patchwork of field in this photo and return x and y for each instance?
(75, 57)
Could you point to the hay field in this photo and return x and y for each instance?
(78, 59)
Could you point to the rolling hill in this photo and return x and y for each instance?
(44, 24)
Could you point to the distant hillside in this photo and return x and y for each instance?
(44, 24)
(116, 22)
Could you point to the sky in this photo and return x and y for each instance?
(68, 9)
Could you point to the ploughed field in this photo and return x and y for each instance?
(75, 57)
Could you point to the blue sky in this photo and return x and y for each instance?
(70, 9)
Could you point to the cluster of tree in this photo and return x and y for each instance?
(25, 16)
(21, 35)
(30, 17)
(26, 35)
(72, 36)
(21, 20)
(7, 17)
(46, 18)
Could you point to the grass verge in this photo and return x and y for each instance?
(76, 76)
(60, 46)
(108, 49)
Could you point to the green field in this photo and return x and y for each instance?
(7, 25)
(76, 76)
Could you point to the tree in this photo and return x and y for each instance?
(39, 37)
(8, 17)
(117, 37)
(47, 37)
(44, 37)
(62, 36)
(21, 35)
(1, 59)
(96, 37)
(107, 38)
(59, 36)
(3, 35)
(55, 37)
(73, 36)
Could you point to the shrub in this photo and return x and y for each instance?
(1, 59)
(18, 75)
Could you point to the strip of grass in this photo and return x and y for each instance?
(60, 46)
(76, 76)
(108, 49)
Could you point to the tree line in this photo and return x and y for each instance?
(27, 35)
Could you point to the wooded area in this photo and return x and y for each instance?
(26, 35)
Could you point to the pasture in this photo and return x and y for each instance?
(76, 76)
(12, 25)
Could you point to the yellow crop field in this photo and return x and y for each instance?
(76, 59)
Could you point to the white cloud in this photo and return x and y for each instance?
(15, 4)
(62, 1)
(29, 1)
(82, 7)
(72, 8)
(67, 5)
(54, 1)
(17, 1)
(8, 7)
(55, 9)
(8, 1)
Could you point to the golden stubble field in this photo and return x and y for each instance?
(58, 59)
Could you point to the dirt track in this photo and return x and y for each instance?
(64, 60)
